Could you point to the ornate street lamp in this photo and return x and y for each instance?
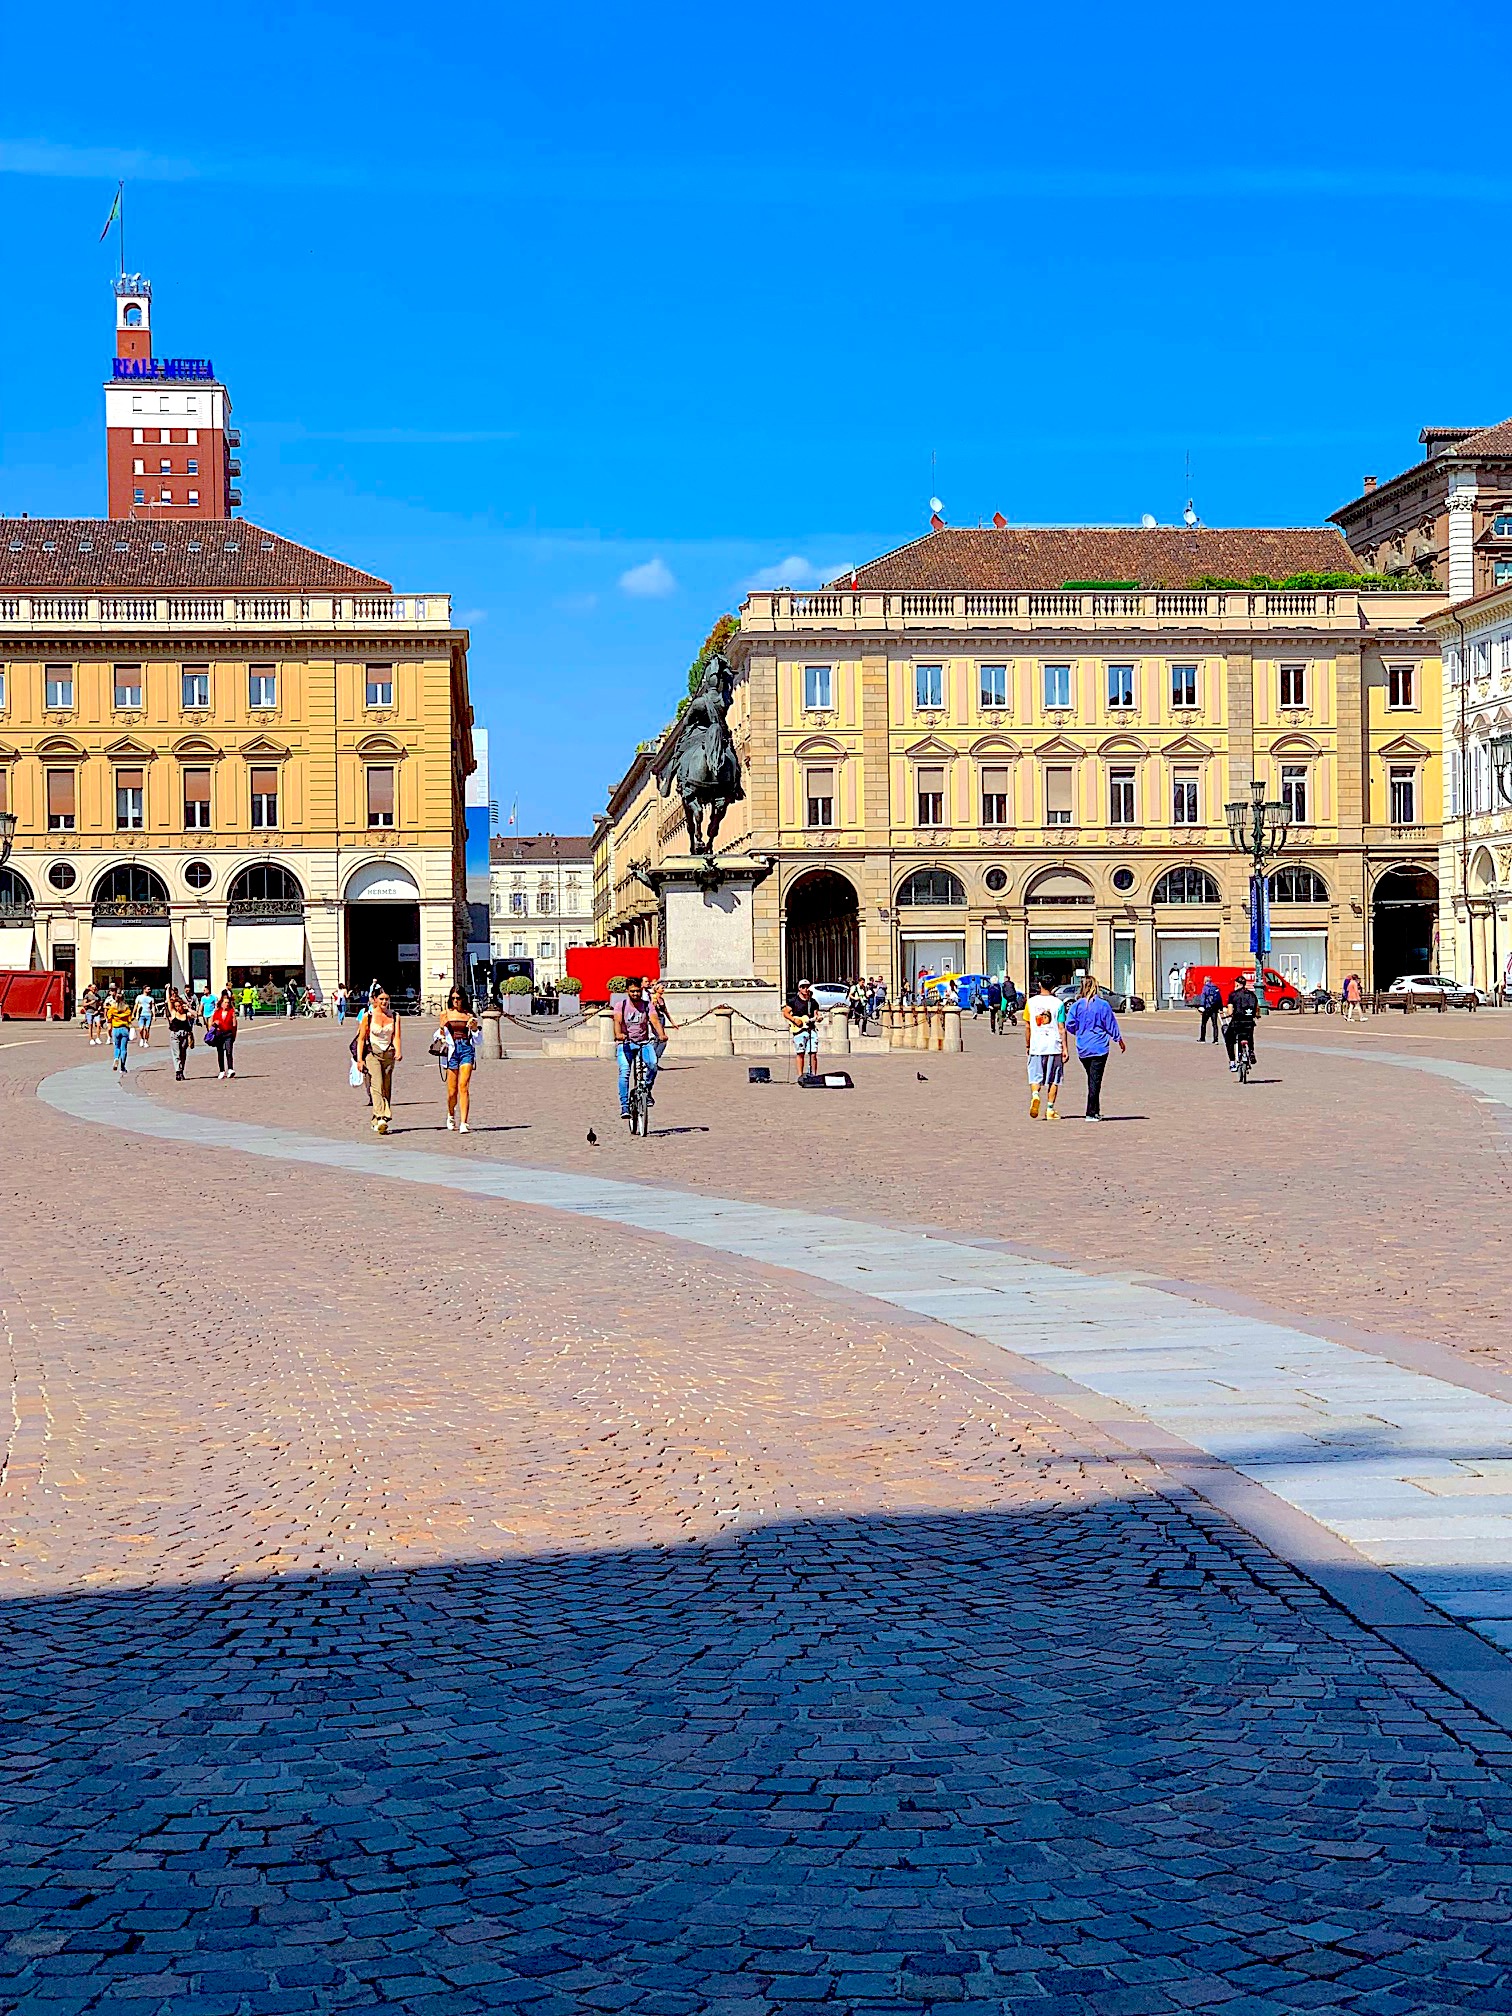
(1258, 827)
(7, 836)
(1501, 766)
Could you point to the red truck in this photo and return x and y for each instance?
(597, 965)
(1279, 991)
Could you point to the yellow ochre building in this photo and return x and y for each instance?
(230, 758)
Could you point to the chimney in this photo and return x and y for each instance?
(1370, 483)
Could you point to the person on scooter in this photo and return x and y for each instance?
(1243, 1007)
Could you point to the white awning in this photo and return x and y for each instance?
(15, 948)
(267, 944)
(123, 945)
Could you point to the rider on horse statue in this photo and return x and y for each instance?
(704, 765)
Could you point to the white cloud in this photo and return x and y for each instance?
(793, 572)
(652, 579)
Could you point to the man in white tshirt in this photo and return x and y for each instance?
(1045, 1042)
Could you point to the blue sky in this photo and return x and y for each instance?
(597, 316)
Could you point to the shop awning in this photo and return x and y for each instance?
(15, 948)
(129, 945)
(281, 944)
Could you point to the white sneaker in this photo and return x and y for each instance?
(450, 1124)
(461, 1126)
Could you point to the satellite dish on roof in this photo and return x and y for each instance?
(1189, 516)
(1148, 522)
(935, 504)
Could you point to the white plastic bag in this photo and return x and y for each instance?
(354, 1076)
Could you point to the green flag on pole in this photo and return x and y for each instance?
(115, 211)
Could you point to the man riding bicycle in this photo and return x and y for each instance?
(1243, 1007)
(637, 1027)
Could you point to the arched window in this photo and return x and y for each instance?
(132, 316)
(265, 890)
(1293, 884)
(14, 892)
(931, 885)
(1186, 885)
(133, 889)
(1059, 886)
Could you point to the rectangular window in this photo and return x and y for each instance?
(380, 685)
(380, 794)
(1501, 572)
(194, 496)
(262, 686)
(58, 686)
(1403, 795)
(1399, 685)
(931, 780)
(997, 787)
(1120, 685)
(128, 687)
(165, 468)
(1501, 525)
(136, 432)
(544, 904)
(265, 798)
(819, 797)
(1057, 685)
(139, 467)
(546, 949)
(1294, 792)
(994, 680)
(165, 434)
(192, 435)
(191, 467)
(1183, 685)
(129, 795)
(196, 800)
(1058, 795)
(60, 801)
(1293, 685)
(139, 496)
(929, 685)
(195, 686)
(519, 903)
(1184, 798)
(165, 496)
(1120, 797)
(816, 686)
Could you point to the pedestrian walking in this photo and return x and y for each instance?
(92, 1010)
(1045, 1046)
(341, 1000)
(180, 1029)
(118, 1027)
(207, 1004)
(1091, 1022)
(222, 1027)
(379, 1048)
(1011, 1002)
(1210, 1000)
(142, 1012)
(460, 1029)
(658, 1000)
(994, 1005)
(1354, 999)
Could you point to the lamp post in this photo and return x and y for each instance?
(7, 836)
(1258, 827)
(1501, 766)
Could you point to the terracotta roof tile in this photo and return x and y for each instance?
(1495, 440)
(122, 553)
(1046, 556)
(527, 850)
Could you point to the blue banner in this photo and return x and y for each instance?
(1260, 943)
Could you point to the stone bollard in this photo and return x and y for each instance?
(937, 1028)
(493, 1032)
(952, 1038)
(839, 1031)
(606, 1034)
(917, 1030)
(724, 1031)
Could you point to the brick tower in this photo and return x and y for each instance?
(168, 437)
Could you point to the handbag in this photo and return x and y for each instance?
(439, 1045)
(354, 1074)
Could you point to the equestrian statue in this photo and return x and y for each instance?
(703, 764)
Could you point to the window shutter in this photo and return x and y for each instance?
(821, 783)
(381, 791)
(4, 789)
(60, 794)
(128, 780)
(264, 783)
(196, 787)
(932, 780)
(996, 780)
(1058, 790)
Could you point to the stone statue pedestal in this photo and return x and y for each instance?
(709, 933)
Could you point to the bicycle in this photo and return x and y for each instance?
(1244, 1057)
(637, 1097)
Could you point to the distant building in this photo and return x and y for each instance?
(1448, 516)
(170, 448)
(541, 898)
(1475, 860)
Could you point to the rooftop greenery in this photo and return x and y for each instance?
(1376, 584)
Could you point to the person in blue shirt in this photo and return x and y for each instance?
(1093, 1026)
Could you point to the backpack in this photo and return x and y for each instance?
(1211, 998)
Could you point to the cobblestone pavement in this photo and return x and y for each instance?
(416, 1605)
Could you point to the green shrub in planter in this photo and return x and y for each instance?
(517, 983)
(571, 985)
(618, 984)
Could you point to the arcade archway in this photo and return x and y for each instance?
(823, 929)
(1403, 924)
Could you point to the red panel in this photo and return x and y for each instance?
(597, 965)
(26, 997)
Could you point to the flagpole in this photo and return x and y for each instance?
(121, 220)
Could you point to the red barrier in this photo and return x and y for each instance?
(597, 965)
(26, 997)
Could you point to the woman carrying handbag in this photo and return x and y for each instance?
(221, 1031)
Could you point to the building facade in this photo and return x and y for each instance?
(1010, 751)
(1449, 516)
(231, 758)
(170, 448)
(540, 899)
(1475, 859)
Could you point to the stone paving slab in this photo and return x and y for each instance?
(1288, 1410)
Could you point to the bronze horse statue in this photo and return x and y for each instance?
(704, 766)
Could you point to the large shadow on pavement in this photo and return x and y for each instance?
(1080, 1760)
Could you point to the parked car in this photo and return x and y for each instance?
(1279, 991)
(1434, 987)
(830, 994)
(1119, 1003)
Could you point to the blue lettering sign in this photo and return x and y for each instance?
(199, 368)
